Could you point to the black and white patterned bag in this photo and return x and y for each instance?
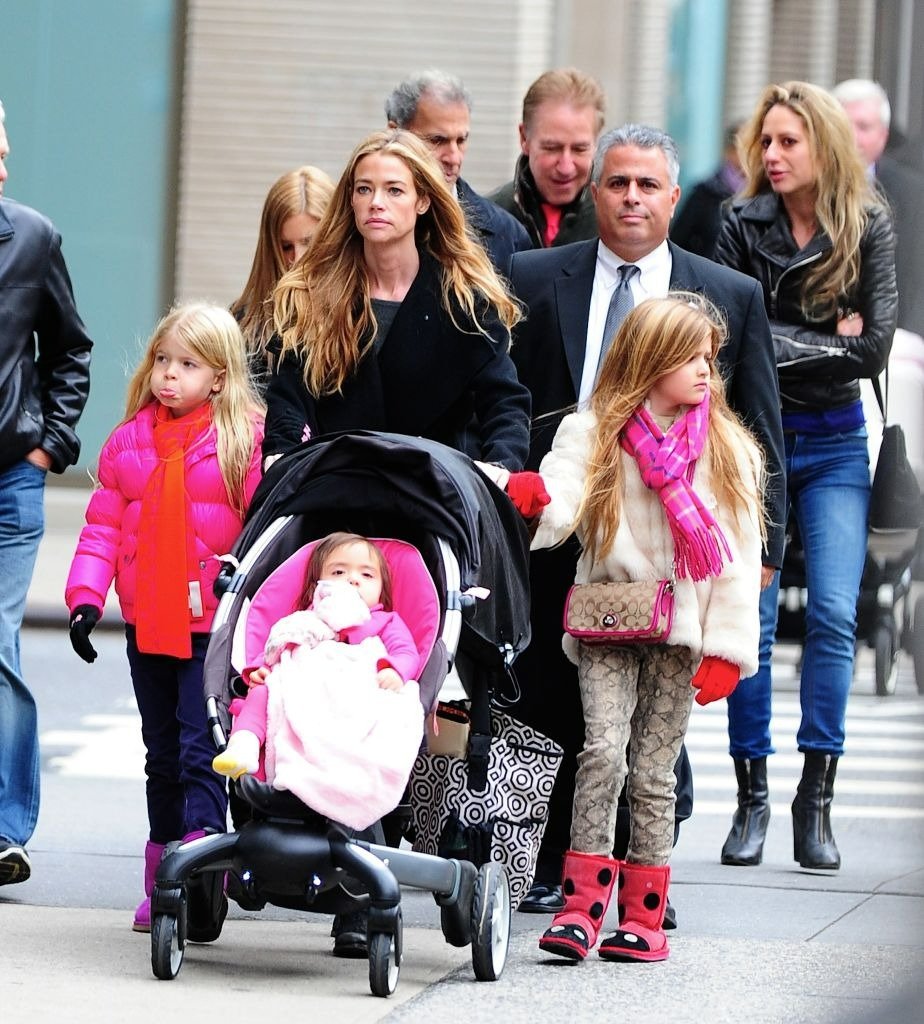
(457, 812)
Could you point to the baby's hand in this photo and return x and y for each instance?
(388, 679)
(257, 677)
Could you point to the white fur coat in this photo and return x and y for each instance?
(718, 616)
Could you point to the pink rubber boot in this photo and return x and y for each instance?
(587, 882)
(153, 852)
(642, 898)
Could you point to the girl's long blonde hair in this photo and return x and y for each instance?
(305, 190)
(656, 338)
(843, 194)
(322, 308)
(211, 333)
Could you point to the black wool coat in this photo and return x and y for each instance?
(430, 378)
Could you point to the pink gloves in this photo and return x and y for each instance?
(715, 678)
(528, 494)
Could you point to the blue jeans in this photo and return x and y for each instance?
(184, 794)
(828, 484)
(22, 523)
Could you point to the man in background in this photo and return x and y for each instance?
(437, 108)
(44, 383)
(563, 114)
(870, 113)
(696, 226)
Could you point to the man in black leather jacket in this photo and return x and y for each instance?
(44, 382)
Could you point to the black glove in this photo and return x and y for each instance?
(83, 620)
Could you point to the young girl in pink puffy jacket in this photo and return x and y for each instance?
(175, 478)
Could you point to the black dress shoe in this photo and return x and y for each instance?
(543, 899)
(670, 917)
(349, 932)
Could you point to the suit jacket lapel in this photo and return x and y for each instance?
(683, 275)
(573, 290)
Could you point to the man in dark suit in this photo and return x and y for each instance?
(567, 291)
(867, 105)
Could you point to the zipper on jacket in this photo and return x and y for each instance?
(774, 292)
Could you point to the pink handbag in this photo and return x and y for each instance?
(620, 613)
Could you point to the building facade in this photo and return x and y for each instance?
(154, 155)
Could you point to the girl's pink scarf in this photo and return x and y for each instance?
(666, 463)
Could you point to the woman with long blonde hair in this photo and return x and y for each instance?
(659, 481)
(809, 226)
(396, 320)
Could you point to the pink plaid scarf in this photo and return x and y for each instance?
(666, 463)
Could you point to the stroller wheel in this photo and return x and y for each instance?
(385, 959)
(168, 942)
(886, 659)
(490, 922)
(917, 643)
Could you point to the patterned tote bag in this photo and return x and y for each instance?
(492, 804)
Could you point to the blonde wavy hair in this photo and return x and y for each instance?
(322, 307)
(843, 194)
(211, 333)
(305, 190)
(655, 339)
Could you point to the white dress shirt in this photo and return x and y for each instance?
(652, 281)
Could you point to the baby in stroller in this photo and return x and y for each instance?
(335, 701)
(452, 533)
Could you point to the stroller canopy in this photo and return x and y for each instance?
(393, 485)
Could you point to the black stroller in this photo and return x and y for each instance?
(466, 535)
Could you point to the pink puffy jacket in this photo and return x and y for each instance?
(108, 544)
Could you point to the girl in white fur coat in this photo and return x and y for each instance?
(658, 479)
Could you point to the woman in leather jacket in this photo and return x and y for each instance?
(810, 228)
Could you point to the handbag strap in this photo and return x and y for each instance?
(877, 391)
(479, 737)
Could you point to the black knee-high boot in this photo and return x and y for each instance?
(813, 843)
(745, 842)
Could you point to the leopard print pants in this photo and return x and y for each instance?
(638, 697)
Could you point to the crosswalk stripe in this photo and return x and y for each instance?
(104, 747)
(704, 757)
(845, 786)
(842, 810)
(789, 723)
(883, 759)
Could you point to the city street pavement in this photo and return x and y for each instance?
(762, 945)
